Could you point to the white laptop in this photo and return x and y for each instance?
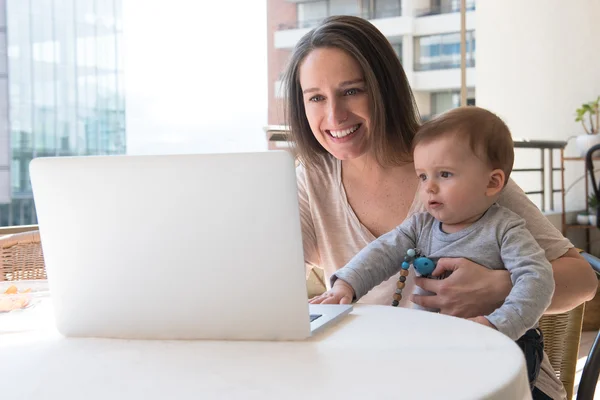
(176, 247)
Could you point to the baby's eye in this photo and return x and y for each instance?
(445, 174)
(423, 177)
(316, 98)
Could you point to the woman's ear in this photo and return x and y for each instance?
(495, 183)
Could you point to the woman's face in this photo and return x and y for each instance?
(336, 102)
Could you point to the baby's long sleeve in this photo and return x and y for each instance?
(379, 260)
(532, 278)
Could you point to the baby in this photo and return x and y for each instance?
(463, 160)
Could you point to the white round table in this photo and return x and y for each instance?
(377, 352)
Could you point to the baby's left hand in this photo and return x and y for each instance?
(483, 321)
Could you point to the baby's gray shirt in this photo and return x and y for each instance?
(498, 240)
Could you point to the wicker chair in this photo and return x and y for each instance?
(562, 333)
(21, 257)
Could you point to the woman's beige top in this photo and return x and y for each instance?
(332, 235)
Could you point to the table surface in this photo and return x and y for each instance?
(377, 351)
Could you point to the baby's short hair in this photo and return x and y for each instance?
(487, 135)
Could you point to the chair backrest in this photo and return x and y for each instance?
(21, 257)
(562, 333)
(589, 166)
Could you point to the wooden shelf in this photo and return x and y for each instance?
(579, 158)
(579, 226)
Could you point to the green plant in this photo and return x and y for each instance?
(592, 202)
(592, 110)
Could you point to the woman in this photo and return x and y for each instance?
(352, 118)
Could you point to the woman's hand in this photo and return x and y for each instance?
(470, 291)
(340, 293)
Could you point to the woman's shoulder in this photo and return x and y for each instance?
(325, 169)
(514, 197)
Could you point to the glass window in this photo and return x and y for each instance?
(65, 87)
(344, 7)
(311, 13)
(442, 51)
(398, 50)
(444, 101)
(387, 8)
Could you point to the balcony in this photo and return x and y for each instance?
(389, 21)
(442, 9)
(441, 79)
(430, 66)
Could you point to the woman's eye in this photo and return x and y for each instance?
(445, 174)
(351, 92)
(316, 98)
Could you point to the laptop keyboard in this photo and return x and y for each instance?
(314, 316)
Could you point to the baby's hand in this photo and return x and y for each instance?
(483, 321)
(340, 293)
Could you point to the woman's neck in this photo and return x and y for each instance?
(367, 168)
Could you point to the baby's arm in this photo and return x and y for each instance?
(532, 278)
(379, 260)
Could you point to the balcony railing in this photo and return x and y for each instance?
(441, 65)
(546, 147)
(441, 9)
(311, 23)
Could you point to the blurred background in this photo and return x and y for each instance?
(97, 77)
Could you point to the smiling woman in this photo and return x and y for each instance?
(356, 185)
(337, 90)
(338, 114)
(352, 118)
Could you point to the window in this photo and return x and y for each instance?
(387, 8)
(442, 51)
(344, 7)
(444, 101)
(398, 50)
(311, 13)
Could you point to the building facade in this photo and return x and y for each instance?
(61, 90)
(424, 33)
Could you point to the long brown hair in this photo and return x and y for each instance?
(394, 115)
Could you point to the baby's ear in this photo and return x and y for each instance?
(496, 182)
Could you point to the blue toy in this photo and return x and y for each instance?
(423, 265)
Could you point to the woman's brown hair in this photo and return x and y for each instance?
(394, 115)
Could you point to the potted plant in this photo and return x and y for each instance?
(589, 116)
(593, 207)
(583, 218)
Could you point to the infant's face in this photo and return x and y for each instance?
(454, 181)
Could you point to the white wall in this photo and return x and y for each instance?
(537, 61)
(423, 100)
(442, 79)
(443, 23)
(196, 76)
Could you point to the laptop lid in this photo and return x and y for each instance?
(173, 246)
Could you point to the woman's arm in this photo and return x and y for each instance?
(473, 290)
(576, 282)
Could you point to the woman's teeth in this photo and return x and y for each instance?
(345, 132)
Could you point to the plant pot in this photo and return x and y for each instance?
(593, 219)
(585, 142)
(583, 219)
